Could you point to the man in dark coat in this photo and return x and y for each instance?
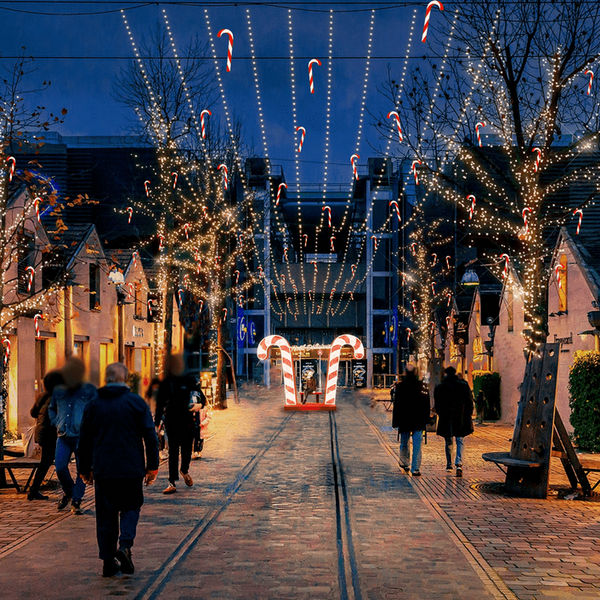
(454, 406)
(116, 429)
(177, 399)
(410, 416)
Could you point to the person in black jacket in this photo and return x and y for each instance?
(45, 432)
(116, 429)
(177, 399)
(454, 406)
(410, 416)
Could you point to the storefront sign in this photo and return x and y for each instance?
(138, 332)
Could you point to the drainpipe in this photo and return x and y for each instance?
(68, 330)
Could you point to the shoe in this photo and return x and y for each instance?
(416, 473)
(63, 502)
(76, 507)
(110, 567)
(449, 468)
(36, 496)
(123, 555)
(187, 478)
(403, 467)
(170, 489)
(459, 471)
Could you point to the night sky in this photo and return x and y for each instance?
(85, 87)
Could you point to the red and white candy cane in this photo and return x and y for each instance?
(130, 290)
(477, 128)
(449, 296)
(305, 238)
(408, 333)
(414, 306)
(428, 16)
(186, 229)
(433, 287)
(352, 296)
(200, 305)
(135, 256)
(353, 269)
(431, 327)
(13, 163)
(375, 243)
(150, 303)
(393, 204)
(36, 322)
(31, 272)
(205, 211)
(448, 262)
(203, 121)
(353, 160)
(333, 290)
(334, 363)
(506, 259)
(591, 74)
(281, 186)
(311, 81)
(448, 322)
(130, 211)
(557, 270)
(396, 116)
(302, 136)
(224, 317)
(314, 262)
(526, 212)
(433, 259)
(223, 168)
(328, 209)
(289, 380)
(414, 170)
(228, 33)
(413, 247)
(472, 209)
(261, 272)
(285, 254)
(310, 295)
(180, 295)
(147, 187)
(237, 276)
(186, 280)
(579, 212)
(175, 177)
(282, 277)
(241, 301)
(537, 158)
(6, 344)
(161, 242)
(332, 243)
(36, 203)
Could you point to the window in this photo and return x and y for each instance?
(94, 287)
(139, 302)
(562, 284)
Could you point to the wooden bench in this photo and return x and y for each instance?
(317, 394)
(387, 402)
(589, 465)
(20, 463)
(504, 458)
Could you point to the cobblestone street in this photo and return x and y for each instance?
(314, 506)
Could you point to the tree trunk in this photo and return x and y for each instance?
(221, 395)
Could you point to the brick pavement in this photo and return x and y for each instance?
(261, 522)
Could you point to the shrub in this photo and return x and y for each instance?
(584, 391)
(489, 384)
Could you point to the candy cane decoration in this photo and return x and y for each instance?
(537, 159)
(285, 254)
(186, 280)
(433, 287)
(328, 209)
(525, 213)
(237, 276)
(472, 209)
(414, 306)
(428, 16)
(591, 73)
(202, 121)
(353, 160)
(200, 305)
(186, 228)
(224, 169)
(150, 302)
(281, 186)
(36, 322)
(580, 213)
(130, 211)
(36, 203)
(147, 187)
(241, 301)
(353, 269)
(180, 294)
(314, 262)
(408, 333)
(224, 317)
(448, 322)
(334, 363)
(129, 291)
(557, 270)
(286, 361)
(449, 296)
(396, 116)
(6, 344)
(205, 211)
(333, 290)
(13, 163)
(414, 170)
(305, 238)
(431, 327)
(31, 272)
(448, 262)
(505, 271)
(135, 256)
(311, 82)
(310, 295)
(332, 245)
(433, 259)
(413, 247)
(161, 241)
(352, 296)
(260, 272)
(228, 33)
(375, 243)
(302, 135)
(393, 204)
(477, 128)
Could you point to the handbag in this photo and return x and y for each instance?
(431, 426)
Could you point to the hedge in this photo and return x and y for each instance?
(489, 384)
(584, 391)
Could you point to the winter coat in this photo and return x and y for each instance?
(67, 406)
(411, 404)
(204, 419)
(454, 406)
(45, 432)
(116, 427)
(173, 401)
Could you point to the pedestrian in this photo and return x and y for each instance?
(116, 428)
(454, 406)
(177, 400)
(410, 416)
(202, 419)
(393, 390)
(310, 387)
(45, 432)
(480, 406)
(66, 411)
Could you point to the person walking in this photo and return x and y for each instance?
(202, 420)
(454, 406)
(116, 428)
(410, 416)
(177, 399)
(45, 432)
(66, 411)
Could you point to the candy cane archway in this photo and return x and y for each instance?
(334, 363)
(286, 361)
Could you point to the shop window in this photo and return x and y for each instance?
(94, 287)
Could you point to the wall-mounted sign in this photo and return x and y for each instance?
(138, 332)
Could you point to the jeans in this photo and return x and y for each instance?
(459, 451)
(48, 453)
(118, 504)
(417, 449)
(65, 448)
(179, 438)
